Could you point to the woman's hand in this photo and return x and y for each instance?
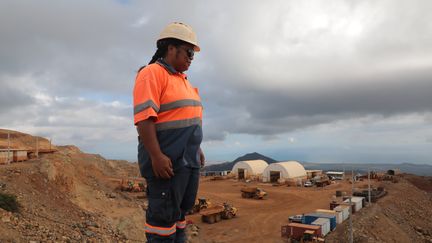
(202, 158)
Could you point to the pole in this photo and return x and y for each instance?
(343, 166)
(37, 147)
(351, 236)
(8, 152)
(369, 188)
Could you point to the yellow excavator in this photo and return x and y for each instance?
(132, 186)
(200, 204)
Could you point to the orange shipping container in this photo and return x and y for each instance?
(4, 157)
(19, 155)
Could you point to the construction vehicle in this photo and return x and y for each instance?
(386, 177)
(132, 186)
(216, 213)
(321, 180)
(375, 194)
(295, 218)
(253, 192)
(200, 204)
(309, 237)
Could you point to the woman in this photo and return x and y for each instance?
(168, 117)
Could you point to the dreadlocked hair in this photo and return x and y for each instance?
(162, 48)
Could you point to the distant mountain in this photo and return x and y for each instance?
(417, 169)
(255, 156)
(229, 165)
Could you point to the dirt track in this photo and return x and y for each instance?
(260, 220)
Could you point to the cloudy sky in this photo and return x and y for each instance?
(319, 81)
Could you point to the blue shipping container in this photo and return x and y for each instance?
(310, 217)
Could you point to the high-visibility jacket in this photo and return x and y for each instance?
(167, 96)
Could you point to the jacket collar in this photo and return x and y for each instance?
(168, 67)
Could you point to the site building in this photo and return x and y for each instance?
(5, 155)
(337, 175)
(215, 173)
(344, 209)
(357, 202)
(249, 168)
(338, 214)
(284, 171)
(19, 155)
(324, 223)
(312, 173)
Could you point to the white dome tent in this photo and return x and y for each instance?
(283, 171)
(249, 168)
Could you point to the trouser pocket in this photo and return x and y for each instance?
(161, 209)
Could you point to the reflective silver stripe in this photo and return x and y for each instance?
(178, 124)
(149, 103)
(179, 103)
(159, 230)
(181, 224)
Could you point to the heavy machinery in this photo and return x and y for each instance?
(295, 218)
(200, 204)
(375, 194)
(321, 181)
(309, 237)
(386, 177)
(132, 186)
(216, 213)
(253, 192)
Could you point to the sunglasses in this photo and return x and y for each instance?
(189, 52)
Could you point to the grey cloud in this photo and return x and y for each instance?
(264, 68)
(12, 97)
(252, 111)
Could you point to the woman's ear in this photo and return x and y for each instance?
(171, 48)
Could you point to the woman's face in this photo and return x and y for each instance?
(182, 56)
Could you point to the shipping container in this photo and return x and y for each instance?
(344, 209)
(357, 201)
(324, 223)
(4, 155)
(310, 217)
(19, 155)
(362, 199)
(296, 230)
(353, 206)
(338, 214)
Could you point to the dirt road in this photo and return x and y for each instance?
(261, 220)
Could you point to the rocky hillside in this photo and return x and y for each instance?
(404, 215)
(70, 196)
(20, 140)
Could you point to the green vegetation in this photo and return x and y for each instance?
(8, 202)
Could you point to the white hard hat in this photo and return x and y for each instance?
(182, 32)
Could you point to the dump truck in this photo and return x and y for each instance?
(216, 213)
(200, 204)
(253, 192)
(321, 181)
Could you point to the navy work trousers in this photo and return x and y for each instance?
(168, 201)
